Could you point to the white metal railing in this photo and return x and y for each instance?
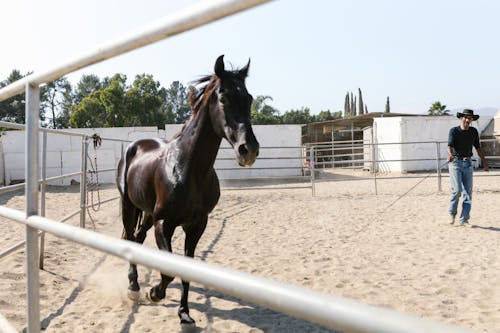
(323, 309)
(316, 307)
(358, 160)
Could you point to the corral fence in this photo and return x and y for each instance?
(418, 159)
(332, 312)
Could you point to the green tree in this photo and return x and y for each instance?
(144, 101)
(301, 116)
(175, 104)
(347, 106)
(438, 109)
(112, 97)
(88, 84)
(65, 107)
(263, 113)
(14, 109)
(52, 99)
(327, 115)
(361, 107)
(90, 112)
(104, 107)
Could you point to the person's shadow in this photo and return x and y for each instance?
(475, 226)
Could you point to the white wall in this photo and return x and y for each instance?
(64, 152)
(415, 129)
(276, 141)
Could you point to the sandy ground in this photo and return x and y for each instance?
(346, 241)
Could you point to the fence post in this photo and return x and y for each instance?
(374, 164)
(311, 166)
(43, 186)
(31, 193)
(83, 181)
(438, 164)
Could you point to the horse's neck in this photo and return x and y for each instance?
(200, 143)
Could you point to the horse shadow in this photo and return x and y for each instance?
(246, 313)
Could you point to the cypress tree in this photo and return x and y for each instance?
(346, 105)
(353, 105)
(387, 106)
(360, 101)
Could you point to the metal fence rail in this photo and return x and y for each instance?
(319, 308)
(316, 307)
(327, 161)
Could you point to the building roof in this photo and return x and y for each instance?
(358, 122)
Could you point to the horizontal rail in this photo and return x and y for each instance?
(102, 202)
(265, 158)
(47, 130)
(266, 168)
(11, 188)
(189, 18)
(14, 248)
(323, 309)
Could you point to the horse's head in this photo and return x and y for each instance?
(231, 113)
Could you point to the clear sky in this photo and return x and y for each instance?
(303, 53)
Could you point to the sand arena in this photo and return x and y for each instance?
(340, 242)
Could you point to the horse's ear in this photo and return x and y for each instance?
(244, 71)
(219, 66)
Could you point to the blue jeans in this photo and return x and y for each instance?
(461, 183)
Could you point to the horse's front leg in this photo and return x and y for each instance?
(163, 235)
(193, 235)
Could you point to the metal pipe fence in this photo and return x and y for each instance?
(319, 308)
(326, 162)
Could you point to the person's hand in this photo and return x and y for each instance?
(450, 158)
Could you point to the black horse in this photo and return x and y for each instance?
(173, 183)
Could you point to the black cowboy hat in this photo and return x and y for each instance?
(468, 112)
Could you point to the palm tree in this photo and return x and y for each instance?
(438, 109)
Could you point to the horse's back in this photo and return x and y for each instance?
(140, 159)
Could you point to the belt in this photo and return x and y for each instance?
(464, 158)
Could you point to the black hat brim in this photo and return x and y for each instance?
(474, 117)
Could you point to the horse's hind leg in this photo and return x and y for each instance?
(163, 235)
(130, 218)
(193, 235)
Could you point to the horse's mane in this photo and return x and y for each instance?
(197, 97)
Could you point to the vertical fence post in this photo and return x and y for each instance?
(43, 186)
(438, 164)
(31, 193)
(374, 165)
(83, 181)
(311, 166)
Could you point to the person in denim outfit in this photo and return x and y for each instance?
(461, 139)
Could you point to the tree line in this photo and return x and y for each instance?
(111, 102)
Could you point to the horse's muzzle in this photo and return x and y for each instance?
(247, 154)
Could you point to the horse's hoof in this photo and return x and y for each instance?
(151, 298)
(186, 319)
(134, 295)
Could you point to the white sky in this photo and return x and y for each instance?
(303, 53)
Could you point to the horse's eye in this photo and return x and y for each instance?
(223, 99)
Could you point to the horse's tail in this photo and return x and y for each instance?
(136, 227)
(122, 169)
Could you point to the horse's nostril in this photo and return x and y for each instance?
(242, 150)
